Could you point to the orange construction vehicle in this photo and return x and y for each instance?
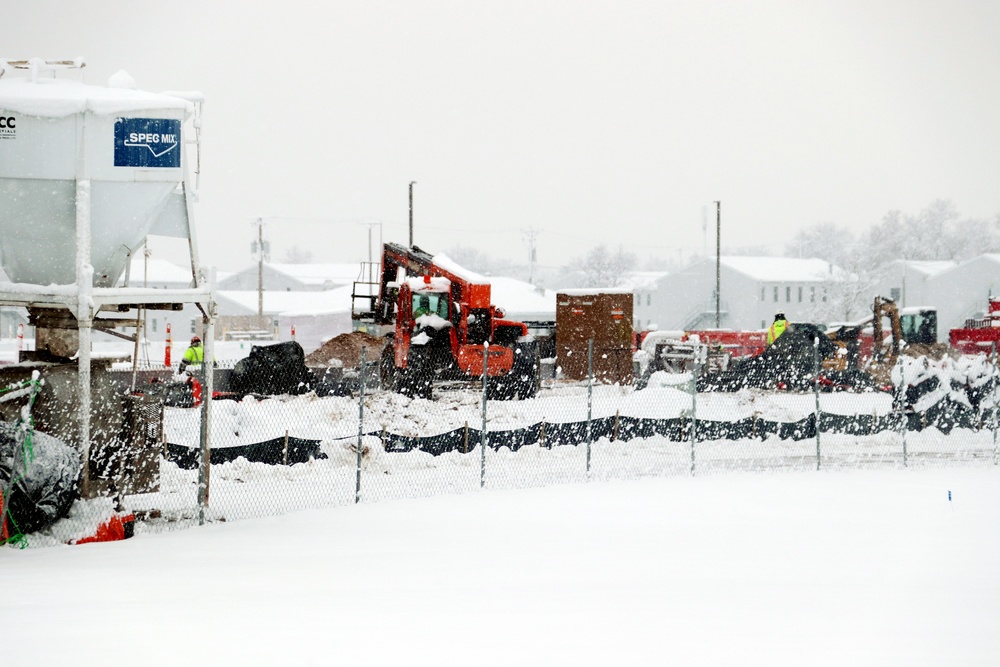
(441, 323)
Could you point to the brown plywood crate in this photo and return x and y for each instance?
(604, 317)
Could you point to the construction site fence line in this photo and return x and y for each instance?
(291, 450)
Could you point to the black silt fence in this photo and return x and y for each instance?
(270, 451)
(945, 416)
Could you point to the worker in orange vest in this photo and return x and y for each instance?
(777, 328)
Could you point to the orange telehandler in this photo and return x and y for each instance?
(441, 325)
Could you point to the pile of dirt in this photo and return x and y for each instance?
(346, 348)
(937, 351)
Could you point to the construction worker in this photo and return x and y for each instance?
(423, 306)
(193, 356)
(777, 328)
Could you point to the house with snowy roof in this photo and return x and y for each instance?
(155, 273)
(958, 290)
(644, 286)
(522, 301)
(753, 290)
(310, 318)
(293, 277)
(908, 282)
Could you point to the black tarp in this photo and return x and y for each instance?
(45, 486)
(272, 370)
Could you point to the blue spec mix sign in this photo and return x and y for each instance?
(147, 142)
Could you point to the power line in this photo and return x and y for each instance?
(325, 221)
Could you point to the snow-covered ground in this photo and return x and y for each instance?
(635, 562)
(887, 567)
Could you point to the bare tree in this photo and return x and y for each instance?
(296, 255)
(603, 268)
(936, 233)
(480, 262)
(824, 240)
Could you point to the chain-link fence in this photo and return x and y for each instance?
(275, 454)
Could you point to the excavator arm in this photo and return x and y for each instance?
(884, 356)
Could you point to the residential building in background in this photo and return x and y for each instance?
(754, 289)
(293, 277)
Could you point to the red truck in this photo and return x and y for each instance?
(979, 335)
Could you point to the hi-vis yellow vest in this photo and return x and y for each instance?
(194, 354)
(776, 330)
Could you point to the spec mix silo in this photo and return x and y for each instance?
(54, 133)
(86, 174)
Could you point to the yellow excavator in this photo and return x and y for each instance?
(867, 346)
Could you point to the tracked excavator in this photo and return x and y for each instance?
(866, 345)
(441, 326)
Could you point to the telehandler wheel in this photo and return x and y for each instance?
(527, 371)
(419, 373)
(387, 370)
(501, 388)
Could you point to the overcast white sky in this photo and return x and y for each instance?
(588, 121)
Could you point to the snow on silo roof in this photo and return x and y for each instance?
(56, 98)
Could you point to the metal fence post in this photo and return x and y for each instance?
(361, 428)
(816, 394)
(694, 402)
(205, 436)
(901, 403)
(996, 452)
(482, 434)
(590, 397)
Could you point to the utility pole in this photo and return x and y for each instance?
(259, 247)
(412, 183)
(260, 268)
(370, 225)
(530, 235)
(718, 264)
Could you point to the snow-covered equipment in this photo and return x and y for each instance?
(86, 174)
(679, 352)
(272, 370)
(979, 335)
(38, 473)
(441, 322)
(848, 356)
(44, 487)
(127, 143)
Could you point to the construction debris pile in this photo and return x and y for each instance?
(790, 363)
(345, 350)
